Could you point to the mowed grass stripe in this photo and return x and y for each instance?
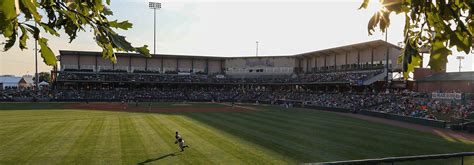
(21, 153)
(314, 136)
(150, 139)
(42, 116)
(388, 149)
(42, 142)
(346, 123)
(401, 136)
(256, 133)
(159, 141)
(83, 148)
(310, 116)
(172, 155)
(200, 153)
(302, 145)
(22, 138)
(10, 134)
(246, 153)
(108, 147)
(196, 140)
(28, 116)
(132, 148)
(379, 129)
(206, 140)
(61, 144)
(321, 132)
(364, 131)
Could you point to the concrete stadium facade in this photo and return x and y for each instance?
(367, 55)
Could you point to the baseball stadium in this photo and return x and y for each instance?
(324, 106)
(348, 104)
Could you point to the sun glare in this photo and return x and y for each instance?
(376, 5)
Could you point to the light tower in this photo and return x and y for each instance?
(155, 6)
(36, 65)
(460, 58)
(256, 51)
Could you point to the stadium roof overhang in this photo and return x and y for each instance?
(91, 53)
(348, 48)
(330, 51)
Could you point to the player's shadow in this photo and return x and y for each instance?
(159, 158)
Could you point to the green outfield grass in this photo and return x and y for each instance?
(178, 105)
(49, 135)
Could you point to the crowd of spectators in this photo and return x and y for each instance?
(400, 103)
(344, 77)
(351, 77)
(426, 107)
(119, 94)
(24, 94)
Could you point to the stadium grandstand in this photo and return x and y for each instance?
(356, 64)
(86, 75)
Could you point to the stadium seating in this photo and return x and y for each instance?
(333, 77)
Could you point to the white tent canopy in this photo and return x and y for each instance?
(29, 80)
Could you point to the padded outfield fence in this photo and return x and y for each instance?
(463, 158)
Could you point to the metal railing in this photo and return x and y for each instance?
(394, 160)
(378, 77)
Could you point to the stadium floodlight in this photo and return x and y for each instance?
(256, 51)
(460, 58)
(155, 6)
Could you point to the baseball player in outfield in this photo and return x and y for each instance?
(180, 141)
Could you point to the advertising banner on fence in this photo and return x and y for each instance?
(455, 96)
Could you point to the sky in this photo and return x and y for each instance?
(231, 28)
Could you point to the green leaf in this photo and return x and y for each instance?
(462, 40)
(410, 58)
(49, 29)
(7, 10)
(125, 25)
(47, 2)
(98, 6)
(71, 30)
(31, 6)
(48, 56)
(439, 56)
(143, 50)
(33, 30)
(108, 52)
(107, 11)
(9, 29)
(119, 41)
(10, 41)
(23, 38)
